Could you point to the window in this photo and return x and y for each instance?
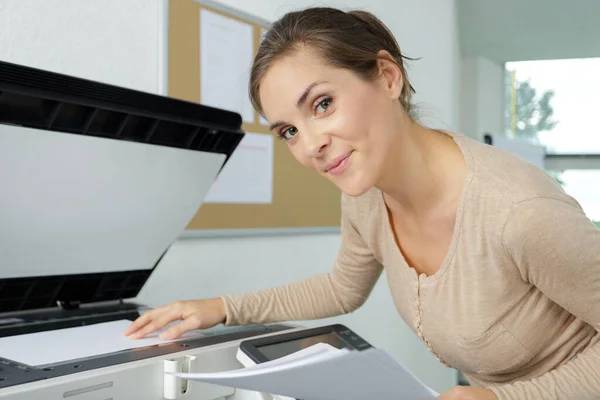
(584, 185)
(555, 103)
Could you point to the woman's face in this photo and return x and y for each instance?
(333, 121)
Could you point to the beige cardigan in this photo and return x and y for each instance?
(515, 305)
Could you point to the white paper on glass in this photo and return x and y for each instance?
(326, 375)
(226, 54)
(60, 345)
(248, 175)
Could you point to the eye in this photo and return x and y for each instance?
(288, 133)
(322, 104)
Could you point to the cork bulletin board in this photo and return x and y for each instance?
(300, 197)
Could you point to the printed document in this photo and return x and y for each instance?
(314, 374)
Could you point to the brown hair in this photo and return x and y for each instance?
(349, 40)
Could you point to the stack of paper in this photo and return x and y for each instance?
(317, 373)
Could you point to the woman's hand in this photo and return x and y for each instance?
(468, 393)
(195, 314)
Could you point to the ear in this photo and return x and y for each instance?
(390, 74)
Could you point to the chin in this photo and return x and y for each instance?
(355, 189)
(354, 181)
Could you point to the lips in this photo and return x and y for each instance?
(338, 164)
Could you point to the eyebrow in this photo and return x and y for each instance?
(304, 96)
(299, 103)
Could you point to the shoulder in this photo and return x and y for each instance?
(513, 197)
(507, 176)
(534, 203)
(535, 223)
(535, 219)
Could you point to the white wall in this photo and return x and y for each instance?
(101, 40)
(95, 39)
(482, 97)
(426, 29)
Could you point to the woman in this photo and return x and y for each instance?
(488, 260)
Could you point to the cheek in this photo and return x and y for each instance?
(300, 155)
(360, 116)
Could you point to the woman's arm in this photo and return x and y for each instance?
(340, 291)
(557, 249)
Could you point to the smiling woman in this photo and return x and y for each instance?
(467, 232)
(340, 85)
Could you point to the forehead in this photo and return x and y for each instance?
(303, 63)
(287, 78)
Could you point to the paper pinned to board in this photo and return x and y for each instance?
(61, 345)
(226, 53)
(248, 175)
(325, 375)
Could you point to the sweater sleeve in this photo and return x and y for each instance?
(557, 249)
(340, 291)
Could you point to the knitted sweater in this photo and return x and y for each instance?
(515, 304)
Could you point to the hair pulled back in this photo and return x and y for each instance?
(349, 40)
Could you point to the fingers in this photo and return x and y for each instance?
(153, 319)
(158, 318)
(139, 323)
(157, 322)
(191, 323)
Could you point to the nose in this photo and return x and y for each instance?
(316, 143)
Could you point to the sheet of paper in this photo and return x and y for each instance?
(321, 348)
(349, 375)
(392, 364)
(314, 350)
(248, 175)
(51, 347)
(226, 53)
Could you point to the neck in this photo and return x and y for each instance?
(424, 169)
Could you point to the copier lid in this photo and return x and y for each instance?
(96, 182)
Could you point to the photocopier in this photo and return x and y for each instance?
(96, 182)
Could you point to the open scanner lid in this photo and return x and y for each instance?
(96, 181)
